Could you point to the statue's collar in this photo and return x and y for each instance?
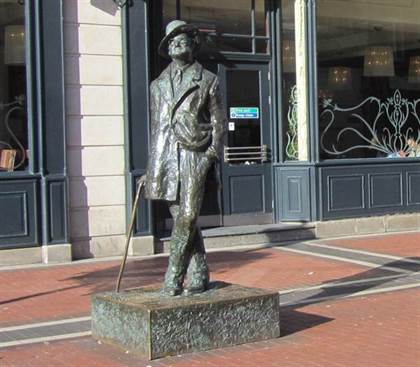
(183, 68)
(195, 72)
(195, 68)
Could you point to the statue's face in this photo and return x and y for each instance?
(181, 47)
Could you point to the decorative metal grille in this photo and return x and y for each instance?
(292, 131)
(391, 127)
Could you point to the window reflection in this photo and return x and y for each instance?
(224, 16)
(226, 25)
(369, 89)
(261, 19)
(169, 11)
(13, 123)
(230, 44)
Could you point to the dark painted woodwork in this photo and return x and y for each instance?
(136, 81)
(37, 201)
(293, 193)
(18, 207)
(363, 190)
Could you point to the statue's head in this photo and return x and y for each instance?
(180, 42)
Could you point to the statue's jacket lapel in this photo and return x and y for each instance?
(177, 119)
(191, 125)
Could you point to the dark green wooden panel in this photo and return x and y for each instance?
(18, 208)
(365, 190)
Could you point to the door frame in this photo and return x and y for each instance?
(250, 172)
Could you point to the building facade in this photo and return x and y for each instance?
(322, 100)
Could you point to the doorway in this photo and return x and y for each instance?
(246, 166)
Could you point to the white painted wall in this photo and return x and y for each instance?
(95, 130)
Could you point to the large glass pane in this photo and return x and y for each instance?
(226, 25)
(294, 80)
(230, 44)
(13, 122)
(261, 19)
(220, 16)
(243, 107)
(369, 79)
(168, 11)
(262, 46)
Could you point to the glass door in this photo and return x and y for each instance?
(246, 167)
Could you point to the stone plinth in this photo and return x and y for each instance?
(154, 325)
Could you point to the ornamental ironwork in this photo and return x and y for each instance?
(292, 131)
(390, 127)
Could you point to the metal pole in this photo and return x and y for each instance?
(140, 186)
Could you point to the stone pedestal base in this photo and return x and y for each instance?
(155, 325)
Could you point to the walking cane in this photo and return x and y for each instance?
(140, 185)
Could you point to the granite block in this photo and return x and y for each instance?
(155, 325)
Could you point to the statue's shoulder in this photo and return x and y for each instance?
(163, 76)
(208, 76)
(161, 80)
(153, 88)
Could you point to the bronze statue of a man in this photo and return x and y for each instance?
(187, 127)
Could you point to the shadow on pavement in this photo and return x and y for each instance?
(146, 272)
(293, 321)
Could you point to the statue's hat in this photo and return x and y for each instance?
(173, 29)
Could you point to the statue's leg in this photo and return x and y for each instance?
(173, 284)
(179, 254)
(184, 212)
(198, 271)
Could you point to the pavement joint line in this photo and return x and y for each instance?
(376, 254)
(43, 324)
(352, 295)
(344, 259)
(44, 339)
(362, 235)
(341, 284)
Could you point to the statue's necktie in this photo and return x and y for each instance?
(178, 78)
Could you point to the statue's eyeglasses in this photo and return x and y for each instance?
(182, 42)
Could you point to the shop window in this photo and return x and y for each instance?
(234, 26)
(13, 121)
(368, 79)
(293, 50)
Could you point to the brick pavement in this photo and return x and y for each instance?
(401, 244)
(379, 329)
(370, 331)
(36, 295)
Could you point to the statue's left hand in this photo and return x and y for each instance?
(211, 153)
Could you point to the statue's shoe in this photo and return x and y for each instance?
(196, 288)
(171, 291)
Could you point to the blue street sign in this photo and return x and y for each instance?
(244, 112)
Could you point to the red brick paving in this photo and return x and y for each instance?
(376, 330)
(402, 244)
(35, 295)
(381, 330)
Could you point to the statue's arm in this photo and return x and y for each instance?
(217, 119)
(153, 108)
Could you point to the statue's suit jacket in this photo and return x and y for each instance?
(192, 118)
